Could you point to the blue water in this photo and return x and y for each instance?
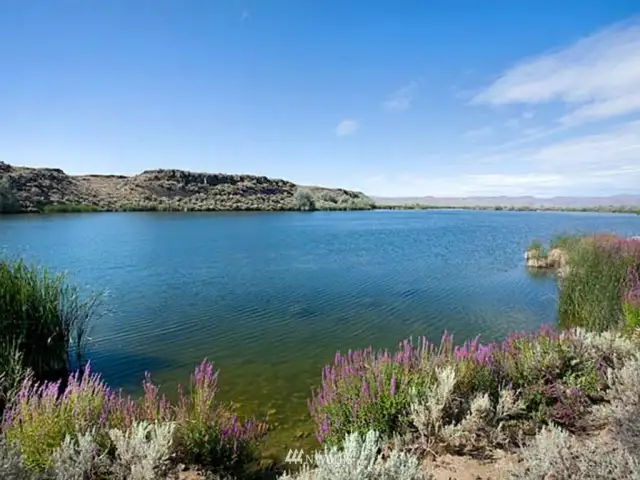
(270, 297)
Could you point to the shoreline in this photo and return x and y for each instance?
(65, 209)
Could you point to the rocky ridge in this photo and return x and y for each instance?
(26, 189)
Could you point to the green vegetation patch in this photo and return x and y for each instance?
(70, 208)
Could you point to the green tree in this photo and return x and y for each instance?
(303, 200)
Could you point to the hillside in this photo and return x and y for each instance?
(26, 189)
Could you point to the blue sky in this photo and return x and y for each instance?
(442, 97)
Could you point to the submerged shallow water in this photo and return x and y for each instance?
(270, 297)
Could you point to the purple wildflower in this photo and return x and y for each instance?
(393, 384)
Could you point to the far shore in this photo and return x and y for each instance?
(53, 209)
(64, 208)
(601, 209)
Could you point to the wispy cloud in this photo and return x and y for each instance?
(598, 77)
(479, 133)
(246, 15)
(402, 98)
(348, 126)
(593, 164)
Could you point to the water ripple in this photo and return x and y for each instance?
(270, 298)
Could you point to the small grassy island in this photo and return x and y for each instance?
(559, 403)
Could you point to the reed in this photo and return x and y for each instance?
(44, 318)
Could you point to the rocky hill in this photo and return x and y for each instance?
(25, 189)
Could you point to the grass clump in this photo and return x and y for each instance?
(537, 247)
(565, 241)
(44, 320)
(601, 275)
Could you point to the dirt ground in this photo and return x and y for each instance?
(449, 467)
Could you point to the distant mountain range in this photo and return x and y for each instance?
(516, 202)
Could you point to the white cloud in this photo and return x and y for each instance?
(598, 77)
(347, 126)
(479, 133)
(616, 148)
(402, 98)
(603, 109)
(604, 163)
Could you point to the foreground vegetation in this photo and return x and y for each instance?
(571, 397)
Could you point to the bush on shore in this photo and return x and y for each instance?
(469, 398)
(120, 436)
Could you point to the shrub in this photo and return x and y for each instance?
(557, 454)
(78, 459)
(42, 419)
(364, 390)
(623, 413)
(142, 453)
(45, 317)
(207, 433)
(303, 200)
(427, 414)
(11, 466)
(361, 459)
(471, 397)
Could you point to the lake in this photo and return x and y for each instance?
(270, 297)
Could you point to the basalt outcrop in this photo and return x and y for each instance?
(555, 259)
(26, 189)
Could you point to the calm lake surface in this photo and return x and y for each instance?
(270, 297)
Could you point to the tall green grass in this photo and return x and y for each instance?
(44, 320)
(591, 294)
